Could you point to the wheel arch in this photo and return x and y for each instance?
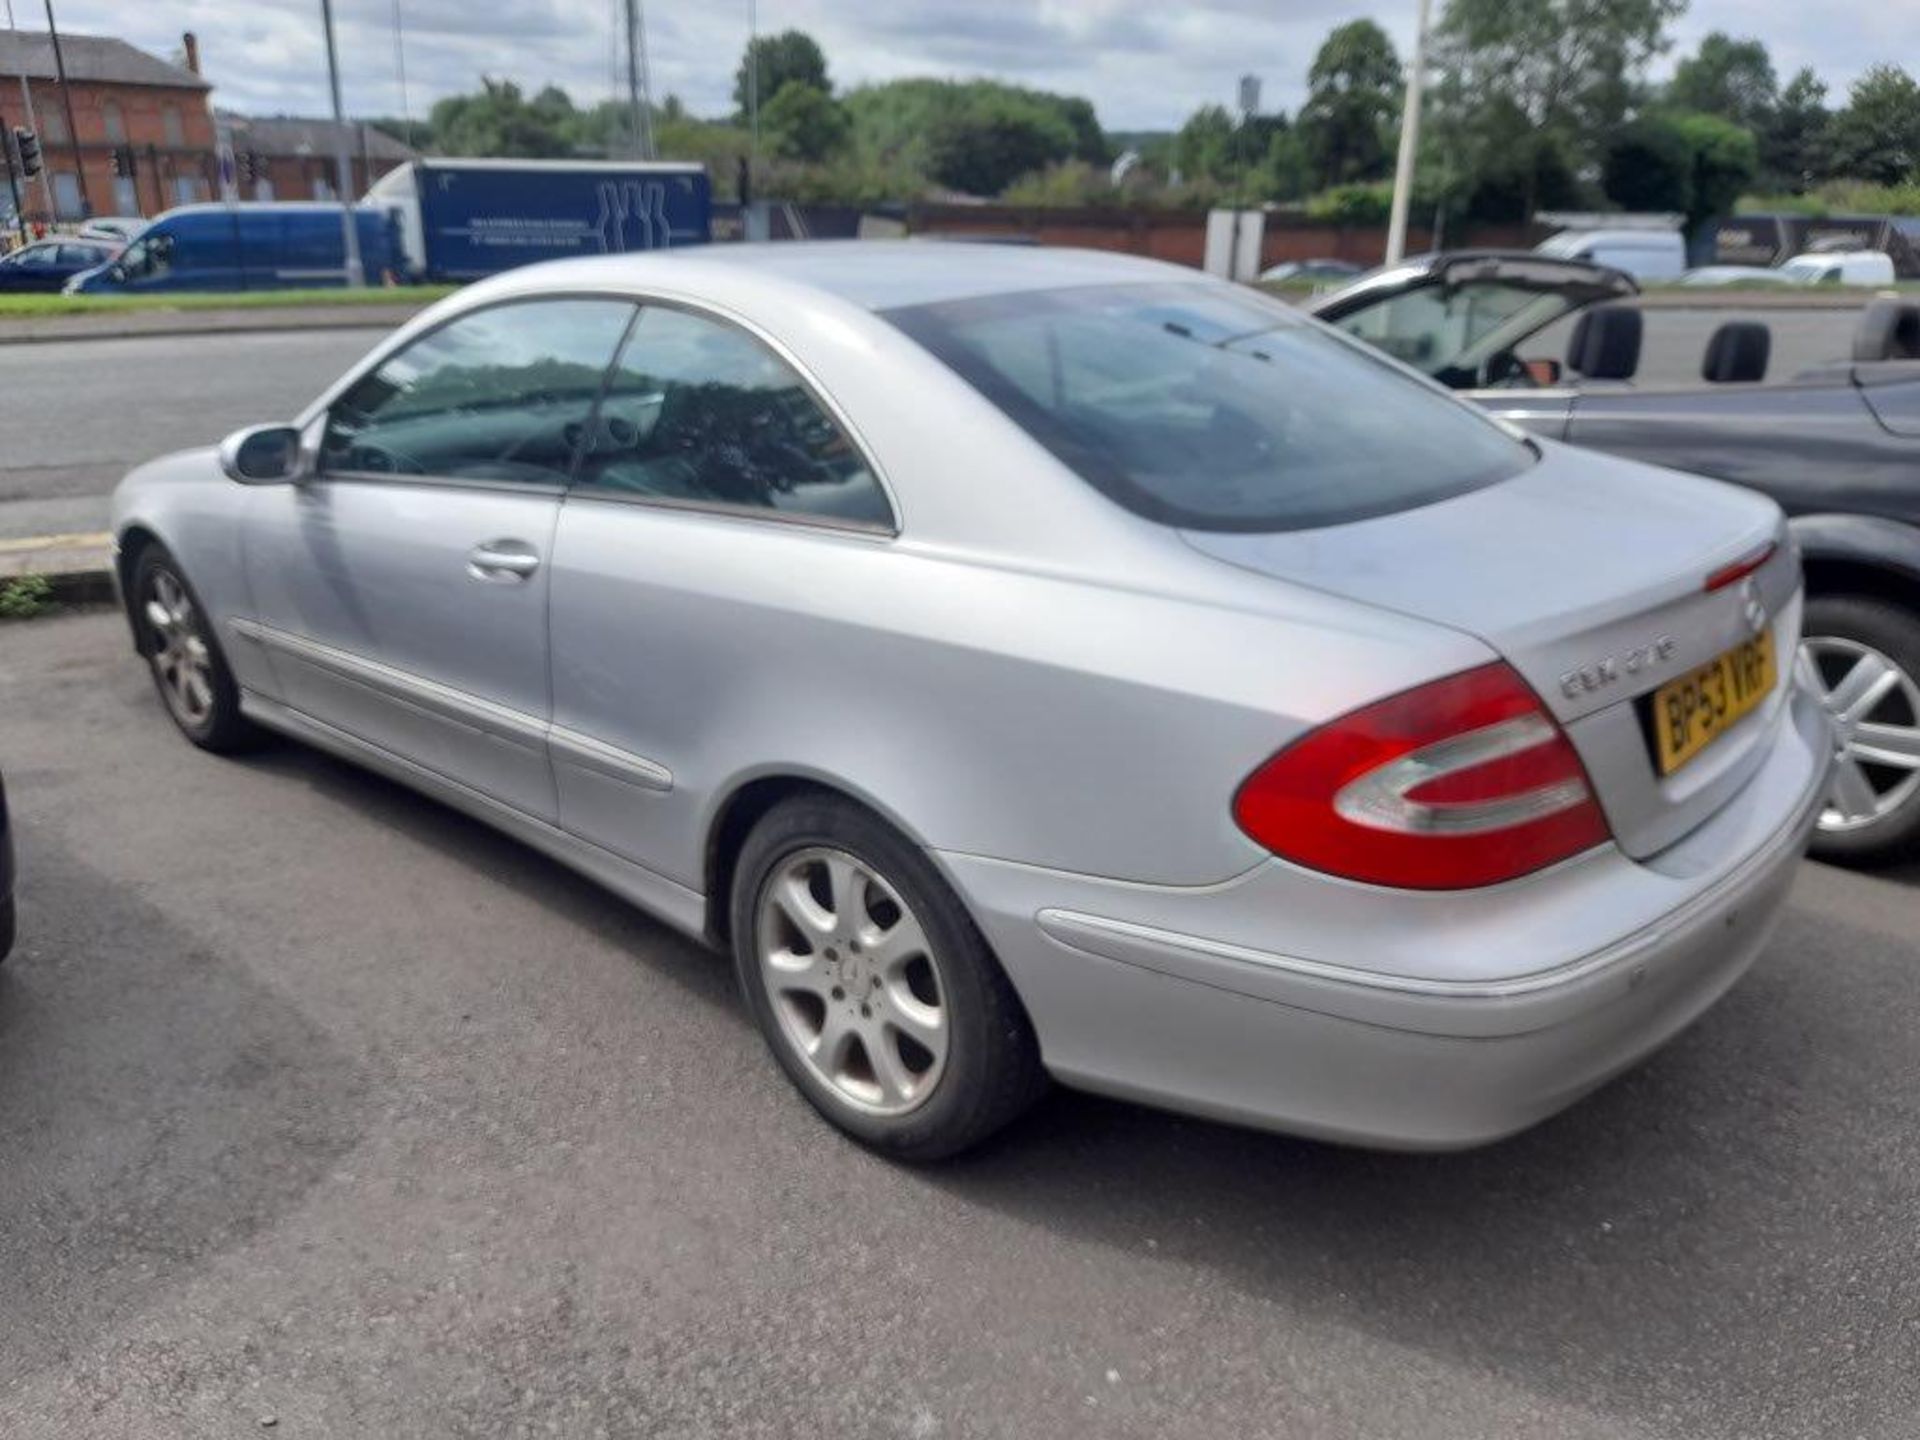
(743, 804)
(133, 541)
(1860, 555)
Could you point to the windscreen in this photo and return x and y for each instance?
(1199, 407)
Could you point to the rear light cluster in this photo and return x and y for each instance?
(1467, 781)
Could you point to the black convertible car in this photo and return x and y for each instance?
(1838, 446)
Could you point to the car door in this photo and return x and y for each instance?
(717, 485)
(401, 592)
(31, 268)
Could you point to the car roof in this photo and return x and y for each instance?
(879, 274)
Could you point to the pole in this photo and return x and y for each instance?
(639, 129)
(33, 124)
(13, 183)
(646, 81)
(356, 274)
(400, 70)
(753, 90)
(1409, 142)
(73, 131)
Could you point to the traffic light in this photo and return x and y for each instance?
(121, 162)
(26, 144)
(248, 167)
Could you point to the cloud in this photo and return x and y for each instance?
(1144, 66)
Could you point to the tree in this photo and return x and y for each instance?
(777, 61)
(1203, 150)
(1793, 142)
(976, 135)
(1681, 160)
(805, 123)
(1353, 94)
(984, 146)
(1877, 137)
(497, 120)
(1569, 66)
(1649, 166)
(1725, 160)
(1730, 78)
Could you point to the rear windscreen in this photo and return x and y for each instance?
(1201, 407)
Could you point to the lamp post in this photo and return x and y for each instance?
(73, 133)
(356, 273)
(1409, 142)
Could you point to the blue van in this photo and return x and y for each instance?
(244, 247)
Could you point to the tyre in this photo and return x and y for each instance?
(1865, 654)
(189, 670)
(872, 986)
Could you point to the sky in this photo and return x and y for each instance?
(1146, 64)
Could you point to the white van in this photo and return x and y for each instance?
(1839, 267)
(1643, 254)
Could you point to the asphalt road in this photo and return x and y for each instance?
(323, 1104)
(77, 415)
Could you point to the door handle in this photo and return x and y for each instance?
(502, 561)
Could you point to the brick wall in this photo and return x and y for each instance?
(1180, 236)
(169, 130)
(310, 177)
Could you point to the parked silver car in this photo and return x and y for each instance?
(1030, 663)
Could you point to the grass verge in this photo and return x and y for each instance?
(34, 307)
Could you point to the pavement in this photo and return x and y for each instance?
(324, 1106)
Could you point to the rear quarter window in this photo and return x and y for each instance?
(1201, 407)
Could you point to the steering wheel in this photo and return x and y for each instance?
(1504, 370)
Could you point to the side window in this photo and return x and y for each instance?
(500, 394)
(702, 411)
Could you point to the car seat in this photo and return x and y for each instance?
(1737, 353)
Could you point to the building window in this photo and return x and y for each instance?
(53, 120)
(66, 196)
(263, 189)
(126, 199)
(322, 188)
(116, 122)
(188, 189)
(170, 118)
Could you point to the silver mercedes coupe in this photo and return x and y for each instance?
(1030, 664)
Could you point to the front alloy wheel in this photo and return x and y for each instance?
(176, 636)
(182, 662)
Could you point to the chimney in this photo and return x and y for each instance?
(190, 42)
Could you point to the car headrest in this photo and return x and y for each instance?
(1606, 343)
(1889, 330)
(1737, 353)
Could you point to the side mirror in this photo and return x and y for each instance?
(261, 454)
(1545, 373)
(117, 272)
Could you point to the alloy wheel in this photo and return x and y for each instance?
(1875, 709)
(181, 659)
(853, 980)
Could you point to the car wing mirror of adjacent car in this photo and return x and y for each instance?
(1544, 372)
(264, 455)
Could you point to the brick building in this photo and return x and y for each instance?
(144, 126)
(283, 158)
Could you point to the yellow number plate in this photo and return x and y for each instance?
(1690, 713)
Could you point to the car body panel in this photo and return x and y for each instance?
(1054, 696)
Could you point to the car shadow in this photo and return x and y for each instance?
(1687, 1215)
(507, 862)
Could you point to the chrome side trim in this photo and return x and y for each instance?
(444, 701)
(583, 752)
(676, 904)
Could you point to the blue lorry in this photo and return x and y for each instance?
(461, 219)
(266, 246)
(438, 220)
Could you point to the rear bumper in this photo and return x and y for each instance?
(1450, 1056)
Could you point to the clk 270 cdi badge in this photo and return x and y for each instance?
(1029, 664)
